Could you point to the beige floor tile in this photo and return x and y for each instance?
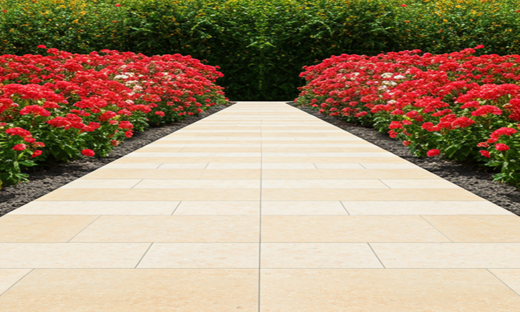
(367, 290)
(318, 184)
(134, 290)
(183, 166)
(102, 183)
(200, 184)
(369, 194)
(221, 149)
(348, 229)
(170, 155)
(232, 174)
(227, 166)
(9, 277)
(361, 174)
(318, 255)
(180, 174)
(389, 166)
(338, 166)
(70, 255)
(301, 150)
(303, 208)
(172, 229)
(424, 208)
(218, 208)
(139, 166)
(336, 160)
(51, 229)
(97, 208)
(278, 166)
(478, 229)
(510, 277)
(201, 255)
(367, 149)
(437, 183)
(448, 255)
(150, 194)
(152, 149)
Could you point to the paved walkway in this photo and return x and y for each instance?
(260, 207)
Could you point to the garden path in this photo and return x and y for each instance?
(260, 207)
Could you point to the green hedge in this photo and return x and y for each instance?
(261, 46)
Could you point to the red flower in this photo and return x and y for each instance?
(129, 133)
(159, 113)
(41, 46)
(18, 131)
(118, 5)
(403, 5)
(479, 46)
(433, 152)
(114, 142)
(485, 153)
(29, 140)
(88, 152)
(36, 153)
(406, 143)
(19, 147)
(501, 147)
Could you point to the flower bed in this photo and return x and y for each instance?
(59, 106)
(460, 106)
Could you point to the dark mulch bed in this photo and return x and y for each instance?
(43, 180)
(478, 180)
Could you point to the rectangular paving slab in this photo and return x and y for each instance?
(260, 207)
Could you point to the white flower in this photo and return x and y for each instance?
(387, 75)
(121, 77)
(390, 83)
(399, 77)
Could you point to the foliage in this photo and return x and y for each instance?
(261, 45)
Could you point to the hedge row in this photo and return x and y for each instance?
(261, 46)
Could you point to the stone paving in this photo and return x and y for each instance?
(260, 207)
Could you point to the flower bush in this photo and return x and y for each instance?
(63, 105)
(459, 105)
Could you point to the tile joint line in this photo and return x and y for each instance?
(143, 255)
(435, 228)
(341, 202)
(176, 207)
(376, 255)
(18, 281)
(84, 228)
(503, 282)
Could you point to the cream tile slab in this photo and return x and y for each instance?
(438, 183)
(375, 290)
(478, 229)
(201, 184)
(227, 149)
(318, 255)
(315, 184)
(278, 166)
(150, 194)
(104, 184)
(338, 166)
(184, 160)
(70, 255)
(26, 228)
(134, 290)
(172, 229)
(182, 166)
(369, 194)
(201, 255)
(238, 154)
(348, 174)
(140, 174)
(132, 166)
(389, 166)
(165, 154)
(153, 149)
(303, 208)
(333, 160)
(234, 166)
(97, 208)
(424, 208)
(348, 229)
(309, 149)
(448, 255)
(218, 208)
(510, 277)
(9, 277)
(232, 174)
